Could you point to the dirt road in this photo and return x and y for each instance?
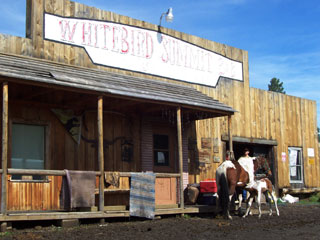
(295, 222)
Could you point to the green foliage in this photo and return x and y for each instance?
(315, 197)
(318, 129)
(276, 86)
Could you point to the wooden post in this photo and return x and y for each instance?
(4, 148)
(230, 136)
(100, 153)
(179, 132)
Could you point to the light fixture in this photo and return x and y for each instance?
(169, 16)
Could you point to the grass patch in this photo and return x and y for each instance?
(5, 234)
(313, 199)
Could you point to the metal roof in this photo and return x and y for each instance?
(33, 69)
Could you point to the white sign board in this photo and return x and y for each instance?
(310, 152)
(146, 51)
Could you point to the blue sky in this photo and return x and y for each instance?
(281, 36)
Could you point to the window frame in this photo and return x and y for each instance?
(300, 151)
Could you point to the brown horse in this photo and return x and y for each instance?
(231, 178)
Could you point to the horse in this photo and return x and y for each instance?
(231, 178)
(261, 170)
(264, 186)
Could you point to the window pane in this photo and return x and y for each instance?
(295, 164)
(160, 141)
(27, 147)
(161, 158)
(299, 173)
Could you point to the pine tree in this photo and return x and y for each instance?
(276, 86)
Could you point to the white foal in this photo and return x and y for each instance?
(262, 186)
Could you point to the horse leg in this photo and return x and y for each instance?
(274, 199)
(228, 210)
(259, 201)
(232, 182)
(269, 200)
(249, 204)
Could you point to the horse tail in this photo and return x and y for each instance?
(223, 188)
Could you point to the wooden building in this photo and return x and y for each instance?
(91, 90)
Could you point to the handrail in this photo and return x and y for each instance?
(39, 172)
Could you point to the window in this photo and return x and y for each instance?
(161, 150)
(28, 148)
(295, 165)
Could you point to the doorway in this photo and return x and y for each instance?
(256, 150)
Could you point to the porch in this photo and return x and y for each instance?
(121, 116)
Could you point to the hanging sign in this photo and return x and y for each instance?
(141, 50)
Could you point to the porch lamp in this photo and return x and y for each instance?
(169, 16)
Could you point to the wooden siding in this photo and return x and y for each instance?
(289, 120)
(27, 196)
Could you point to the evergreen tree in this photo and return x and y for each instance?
(276, 86)
(318, 129)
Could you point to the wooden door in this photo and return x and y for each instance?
(166, 191)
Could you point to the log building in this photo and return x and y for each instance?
(91, 90)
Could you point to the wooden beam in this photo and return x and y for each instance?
(230, 135)
(250, 140)
(179, 132)
(4, 148)
(100, 153)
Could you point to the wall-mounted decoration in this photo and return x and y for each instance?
(283, 156)
(216, 159)
(71, 122)
(204, 156)
(206, 143)
(310, 152)
(216, 149)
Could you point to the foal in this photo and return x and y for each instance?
(264, 186)
(261, 168)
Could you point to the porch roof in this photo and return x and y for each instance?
(47, 72)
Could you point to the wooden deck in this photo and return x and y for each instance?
(35, 216)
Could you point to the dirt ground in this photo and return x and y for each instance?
(295, 221)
